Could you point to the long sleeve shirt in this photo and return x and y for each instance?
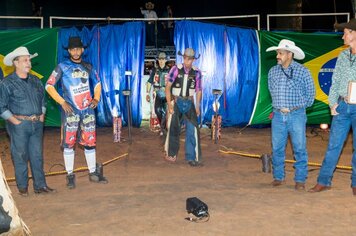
(344, 72)
(291, 87)
(21, 97)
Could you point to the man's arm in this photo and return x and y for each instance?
(148, 91)
(198, 100)
(97, 94)
(169, 97)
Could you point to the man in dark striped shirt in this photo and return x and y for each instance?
(292, 91)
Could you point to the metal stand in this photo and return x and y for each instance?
(127, 94)
(216, 93)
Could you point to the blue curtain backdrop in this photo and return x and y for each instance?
(112, 50)
(229, 61)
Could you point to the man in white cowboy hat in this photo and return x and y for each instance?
(157, 81)
(183, 83)
(150, 25)
(292, 90)
(22, 105)
(78, 104)
(342, 109)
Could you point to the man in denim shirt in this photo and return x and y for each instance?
(292, 91)
(22, 105)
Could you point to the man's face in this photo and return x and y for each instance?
(188, 61)
(349, 36)
(284, 57)
(76, 54)
(161, 62)
(23, 64)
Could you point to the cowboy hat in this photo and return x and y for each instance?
(188, 52)
(75, 42)
(20, 51)
(288, 45)
(349, 25)
(162, 55)
(149, 5)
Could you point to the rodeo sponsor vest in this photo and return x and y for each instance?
(159, 77)
(184, 84)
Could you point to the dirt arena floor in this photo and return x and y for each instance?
(146, 195)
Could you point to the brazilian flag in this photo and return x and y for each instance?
(321, 51)
(42, 41)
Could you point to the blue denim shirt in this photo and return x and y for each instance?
(18, 97)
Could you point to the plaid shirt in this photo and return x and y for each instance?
(344, 72)
(292, 87)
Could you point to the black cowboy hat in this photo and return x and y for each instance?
(349, 25)
(75, 42)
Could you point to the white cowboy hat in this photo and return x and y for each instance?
(288, 45)
(20, 51)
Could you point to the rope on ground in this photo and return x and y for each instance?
(79, 169)
(287, 161)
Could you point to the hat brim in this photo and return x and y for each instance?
(9, 58)
(180, 54)
(298, 53)
(84, 46)
(346, 25)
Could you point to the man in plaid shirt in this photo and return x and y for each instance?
(292, 91)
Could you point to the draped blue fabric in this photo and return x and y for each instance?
(112, 50)
(229, 61)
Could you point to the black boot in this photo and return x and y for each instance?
(71, 181)
(98, 176)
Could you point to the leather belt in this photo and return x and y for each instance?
(288, 110)
(341, 98)
(30, 118)
(184, 98)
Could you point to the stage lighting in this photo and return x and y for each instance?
(324, 126)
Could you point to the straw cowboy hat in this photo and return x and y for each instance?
(349, 25)
(189, 52)
(288, 45)
(20, 51)
(149, 5)
(75, 42)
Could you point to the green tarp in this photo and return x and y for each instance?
(321, 51)
(44, 42)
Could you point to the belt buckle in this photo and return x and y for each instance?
(285, 110)
(33, 118)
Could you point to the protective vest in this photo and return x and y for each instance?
(159, 77)
(184, 84)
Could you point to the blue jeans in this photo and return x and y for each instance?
(340, 128)
(184, 111)
(292, 123)
(26, 146)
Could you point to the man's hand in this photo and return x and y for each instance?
(94, 104)
(148, 99)
(333, 110)
(197, 110)
(42, 116)
(67, 108)
(170, 108)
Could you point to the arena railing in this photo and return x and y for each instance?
(334, 15)
(31, 18)
(108, 19)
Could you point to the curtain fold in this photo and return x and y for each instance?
(229, 61)
(113, 50)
